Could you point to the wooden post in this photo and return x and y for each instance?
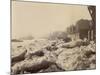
(92, 35)
(89, 35)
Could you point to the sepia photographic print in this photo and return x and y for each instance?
(52, 37)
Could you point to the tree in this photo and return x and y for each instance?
(82, 27)
(83, 24)
(71, 29)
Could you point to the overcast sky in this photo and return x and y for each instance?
(38, 19)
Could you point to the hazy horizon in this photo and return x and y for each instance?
(38, 19)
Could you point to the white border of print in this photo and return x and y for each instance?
(5, 37)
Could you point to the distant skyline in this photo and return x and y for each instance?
(38, 19)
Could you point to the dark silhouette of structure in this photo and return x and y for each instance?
(92, 31)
